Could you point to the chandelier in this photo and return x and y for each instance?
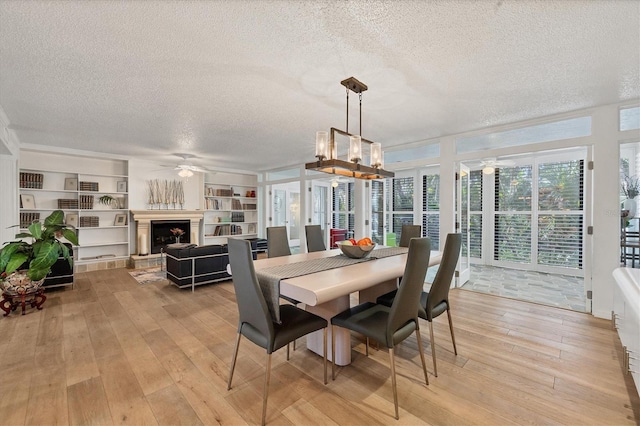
(327, 152)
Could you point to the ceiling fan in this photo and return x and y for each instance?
(186, 168)
(489, 165)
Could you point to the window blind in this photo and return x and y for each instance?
(401, 201)
(475, 214)
(431, 209)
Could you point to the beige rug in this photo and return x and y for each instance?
(148, 275)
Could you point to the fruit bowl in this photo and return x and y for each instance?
(356, 252)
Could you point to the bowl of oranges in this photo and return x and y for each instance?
(357, 249)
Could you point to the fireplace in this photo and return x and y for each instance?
(189, 221)
(161, 234)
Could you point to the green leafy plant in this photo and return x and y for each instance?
(107, 200)
(39, 248)
(631, 186)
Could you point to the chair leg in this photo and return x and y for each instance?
(453, 338)
(324, 340)
(393, 381)
(288, 351)
(333, 353)
(265, 391)
(424, 364)
(366, 348)
(233, 362)
(294, 345)
(433, 349)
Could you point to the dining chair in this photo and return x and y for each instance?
(408, 232)
(315, 239)
(436, 301)
(255, 322)
(391, 325)
(277, 241)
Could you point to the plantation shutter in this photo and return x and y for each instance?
(402, 204)
(431, 209)
(343, 200)
(377, 211)
(512, 235)
(475, 214)
(560, 213)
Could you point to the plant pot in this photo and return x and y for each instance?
(631, 205)
(18, 284)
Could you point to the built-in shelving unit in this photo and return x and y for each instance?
(75, 185)
(230, 204)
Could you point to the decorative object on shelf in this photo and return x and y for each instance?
(167, 193)
(631, 189)
(120, 220)
(27, 201)
(71, 219)
(108, 200)
(121, 186)
(327, 153)
(37, 249)
(71, 184)
(177, 233)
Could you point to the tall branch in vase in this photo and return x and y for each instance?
(181, 195)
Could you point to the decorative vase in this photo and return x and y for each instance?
(177, 238)
(631, 205)
(18, 283)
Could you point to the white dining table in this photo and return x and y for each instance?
(327, 293)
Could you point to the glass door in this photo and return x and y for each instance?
(285, 210)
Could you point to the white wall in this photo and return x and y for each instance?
(9, 155)
(142, 171)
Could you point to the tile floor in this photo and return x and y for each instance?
(548, 289)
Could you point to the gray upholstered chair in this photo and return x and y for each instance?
(391, 325)
(436, 301)
(315, 240)
(408, 232)
(255, 322)
(277, 242)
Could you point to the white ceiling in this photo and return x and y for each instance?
(246, 84)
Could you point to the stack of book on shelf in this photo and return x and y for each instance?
(227, 230)
(237, 217)
(249, 206)
(88, 186)
(67, 203)
(223, 192)
(86, 201)
(31, 180)
(236, 205)
(212, 204)
(89, 221)
(27, 219)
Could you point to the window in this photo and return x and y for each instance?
(475, 214)
(377, 211)
(630, 118)
(512, 236)
(431, 209)
(558, 130)
(546, 230)
(342, 206)
(401, 204)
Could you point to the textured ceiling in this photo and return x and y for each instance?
(245, 84)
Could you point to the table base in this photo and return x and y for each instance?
(9, 303)
(343, 337)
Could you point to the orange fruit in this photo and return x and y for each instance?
(365, 242)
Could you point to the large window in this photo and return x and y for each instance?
(539, 214)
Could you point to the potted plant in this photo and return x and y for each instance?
(34, 252)
(631, 189)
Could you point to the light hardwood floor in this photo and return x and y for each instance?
(112, 351)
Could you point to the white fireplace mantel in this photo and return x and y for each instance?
(143, 220)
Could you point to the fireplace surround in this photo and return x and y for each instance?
(143, 256)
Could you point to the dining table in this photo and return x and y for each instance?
(327, 292)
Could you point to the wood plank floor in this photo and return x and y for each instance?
(112, 351)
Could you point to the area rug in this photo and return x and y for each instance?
(148, 275)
